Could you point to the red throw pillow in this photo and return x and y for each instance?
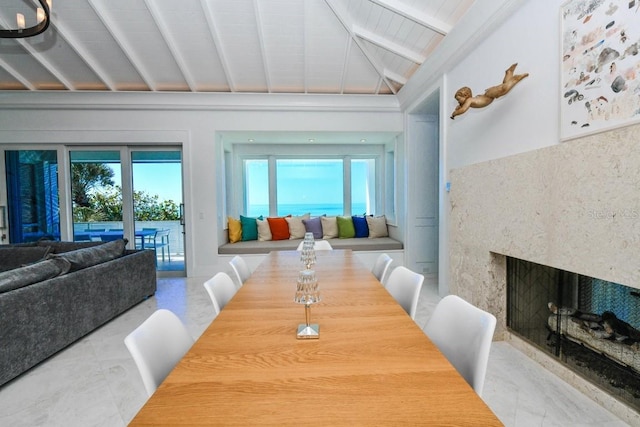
(279, 228)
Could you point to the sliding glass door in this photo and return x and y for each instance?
(110, 192)
(134, 193)
(157, 205)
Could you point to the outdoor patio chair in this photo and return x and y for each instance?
(160, 241)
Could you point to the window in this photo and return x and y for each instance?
(309, 185)
(294, 179)
(320, 186)
(256, 187)
(363, 186)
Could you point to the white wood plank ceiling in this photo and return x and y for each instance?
(256, 46)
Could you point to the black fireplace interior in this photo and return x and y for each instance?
(591, 325)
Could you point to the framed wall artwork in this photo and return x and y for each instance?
(600, 75)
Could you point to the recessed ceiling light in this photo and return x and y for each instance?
(363, 140)
(312, 140)
(251, 139)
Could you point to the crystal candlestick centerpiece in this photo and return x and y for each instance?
(308, 252)
(307, 293)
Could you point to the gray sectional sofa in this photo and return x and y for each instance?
(53, 293)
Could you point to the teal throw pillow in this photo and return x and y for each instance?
(249, 228)
(346, 230)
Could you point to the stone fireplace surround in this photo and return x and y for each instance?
(574, 206)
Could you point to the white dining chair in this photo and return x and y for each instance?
(157, 345)
(463, 333)
(318, 245)
(220, 289)
(405, 285)
(381, 266)
(240, 269)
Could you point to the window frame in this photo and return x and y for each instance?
(274, 152)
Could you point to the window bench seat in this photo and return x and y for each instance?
(355, 244)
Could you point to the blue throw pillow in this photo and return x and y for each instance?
(249, 228)
(360, 225)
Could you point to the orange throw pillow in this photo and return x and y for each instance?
(279, 228)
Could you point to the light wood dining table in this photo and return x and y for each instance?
(372, 364)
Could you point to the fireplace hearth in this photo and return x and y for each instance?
(590, 325)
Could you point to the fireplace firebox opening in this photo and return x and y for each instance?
(590, 325)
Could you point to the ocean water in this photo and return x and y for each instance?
(314, 209)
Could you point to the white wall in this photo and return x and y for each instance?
(191, 120)
(525, 119)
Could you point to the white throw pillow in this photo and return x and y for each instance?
(264, 232)
(296, 226)
(377, 226)
(329, 227)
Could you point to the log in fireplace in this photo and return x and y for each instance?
(590, 325)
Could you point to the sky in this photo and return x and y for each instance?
(163, 179)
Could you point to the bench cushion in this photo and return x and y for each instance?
(361, 244)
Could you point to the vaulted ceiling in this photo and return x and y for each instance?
(256, 46)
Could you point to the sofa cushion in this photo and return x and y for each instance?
(264, 232)
(87, 257)
(345, 227)
(18, 256)
(313, 226)
(235, 230)
(249, 228)
(377, 226)
(329, 227)
(58, 247)
(21, 244)
(360, 226)
(33, 273)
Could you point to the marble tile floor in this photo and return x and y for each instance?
(94, 382)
